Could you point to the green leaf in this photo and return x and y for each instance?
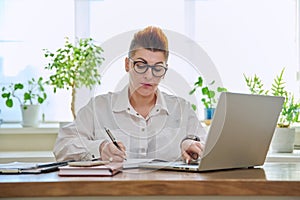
(211, 94)
(18, 86)
(221, 89)
(5, 95)
(194, 107)
(205, 91)
(9, 103)
(199, 82)
(27, 96)
(211, 83)
(40, 100)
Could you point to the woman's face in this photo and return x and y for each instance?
(144, 84)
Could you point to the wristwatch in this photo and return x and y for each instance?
(191, 137)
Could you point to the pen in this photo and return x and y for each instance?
(113, 139)
(54, 164)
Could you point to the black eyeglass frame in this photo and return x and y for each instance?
(147, 67)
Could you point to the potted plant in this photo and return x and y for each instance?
(284, 136)
(209, 98)
(75, 66)
(29, 96)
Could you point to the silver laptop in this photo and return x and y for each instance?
(239, 135)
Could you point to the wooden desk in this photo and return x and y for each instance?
(273, 179)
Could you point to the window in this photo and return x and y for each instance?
(27, 27)
(250, 36)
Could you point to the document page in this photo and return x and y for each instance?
(135, 162)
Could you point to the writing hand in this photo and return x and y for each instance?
(109, 151)
(191, 150)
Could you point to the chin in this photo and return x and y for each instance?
(146, 91)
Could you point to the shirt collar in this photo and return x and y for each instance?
(160, 101)
(121, 101)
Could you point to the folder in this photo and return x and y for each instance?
(30, 168)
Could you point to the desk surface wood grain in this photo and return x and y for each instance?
(280, 179)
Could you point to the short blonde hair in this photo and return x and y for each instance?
(151, 38)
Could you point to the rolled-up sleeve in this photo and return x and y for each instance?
(77, 141)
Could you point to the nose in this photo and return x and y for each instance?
(148, 74)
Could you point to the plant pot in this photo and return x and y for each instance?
(30, 115)
(208, 115)
(283, 140)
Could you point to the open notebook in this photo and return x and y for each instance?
(239, 135)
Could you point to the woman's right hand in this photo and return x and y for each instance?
(110, 152)
(191, 150)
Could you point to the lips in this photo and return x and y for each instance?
(146, 84)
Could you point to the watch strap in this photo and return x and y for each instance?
(191, 137)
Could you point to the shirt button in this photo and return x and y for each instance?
(137, 114)
(143, 129)
(128, 109)
(157, 110)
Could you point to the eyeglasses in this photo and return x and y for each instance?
(140, 67)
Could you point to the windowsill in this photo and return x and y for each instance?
(26, 156)
(284, 157)
(50, 130)
(16, 128)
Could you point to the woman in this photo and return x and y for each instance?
(146, 122)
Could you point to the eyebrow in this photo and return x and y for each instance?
(145, 61)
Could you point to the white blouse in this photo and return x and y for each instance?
(157, 136)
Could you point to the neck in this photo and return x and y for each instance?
(142, 104)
